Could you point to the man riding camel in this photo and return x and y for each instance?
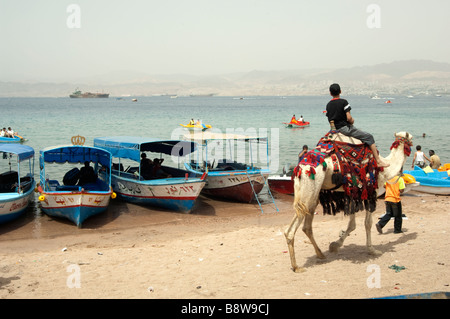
(338, 110)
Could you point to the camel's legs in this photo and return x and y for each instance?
(307, 229)
(368, 224)
(290, 234)
(334, 246)
(305, 201)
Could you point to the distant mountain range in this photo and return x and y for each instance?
(401, 77)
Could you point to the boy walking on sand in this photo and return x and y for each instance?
(394, 187)
(338, 110)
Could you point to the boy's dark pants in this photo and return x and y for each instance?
(393, 210)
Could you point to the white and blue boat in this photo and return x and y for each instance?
(16, 187)
(227, 178)
(73, 196)
(431, 181)
(15, 139)
(176, 190)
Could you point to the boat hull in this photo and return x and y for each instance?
(408, 187)
(281, 184)
(434, 182)
(178, 194)
(13, 205)
(75, 206)
(14, 139)
(196, 127)
(90, 96)
(291, 125)
(234, 185)
(433, 189)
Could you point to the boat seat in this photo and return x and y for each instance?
(226, 164)
(71, 177)
(7, 188)
(68, 188)
(25, 183)
(98, 186)
(8, 181)
(9, 177)
(117, 167)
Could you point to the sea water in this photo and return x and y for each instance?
(47, 122)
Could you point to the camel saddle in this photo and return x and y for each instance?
(339, 137)
(335, 135)
(354, 168)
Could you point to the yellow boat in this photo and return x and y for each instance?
(196, 127)
(410, 183)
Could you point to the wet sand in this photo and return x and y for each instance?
(222, 250)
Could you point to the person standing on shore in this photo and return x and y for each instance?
(394, 187)
(419, 156)
(303, 152)
(435, 161)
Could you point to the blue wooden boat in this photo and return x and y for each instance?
(73, 196)
(431, 181)
(177, 190)
(16, 188)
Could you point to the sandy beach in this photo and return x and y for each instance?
(223, 250)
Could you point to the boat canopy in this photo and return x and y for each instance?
(75, 154)
(22, 151)
(130, 147)
(207, 136)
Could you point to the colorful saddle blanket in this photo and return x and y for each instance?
(357, 175)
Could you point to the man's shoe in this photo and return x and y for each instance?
(378, 228)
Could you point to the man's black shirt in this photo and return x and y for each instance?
(337, 111)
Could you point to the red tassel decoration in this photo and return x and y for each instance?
(364, 194)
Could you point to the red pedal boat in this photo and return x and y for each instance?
(296, 124)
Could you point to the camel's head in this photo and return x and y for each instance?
(403, 138)
(404, 135)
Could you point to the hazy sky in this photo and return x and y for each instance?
(43, 40)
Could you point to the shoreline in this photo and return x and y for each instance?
(222, 250)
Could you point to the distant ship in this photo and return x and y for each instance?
(202, 95)
(88, 95)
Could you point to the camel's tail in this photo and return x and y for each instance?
(300, 209)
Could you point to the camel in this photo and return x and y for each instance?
(306, 198)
